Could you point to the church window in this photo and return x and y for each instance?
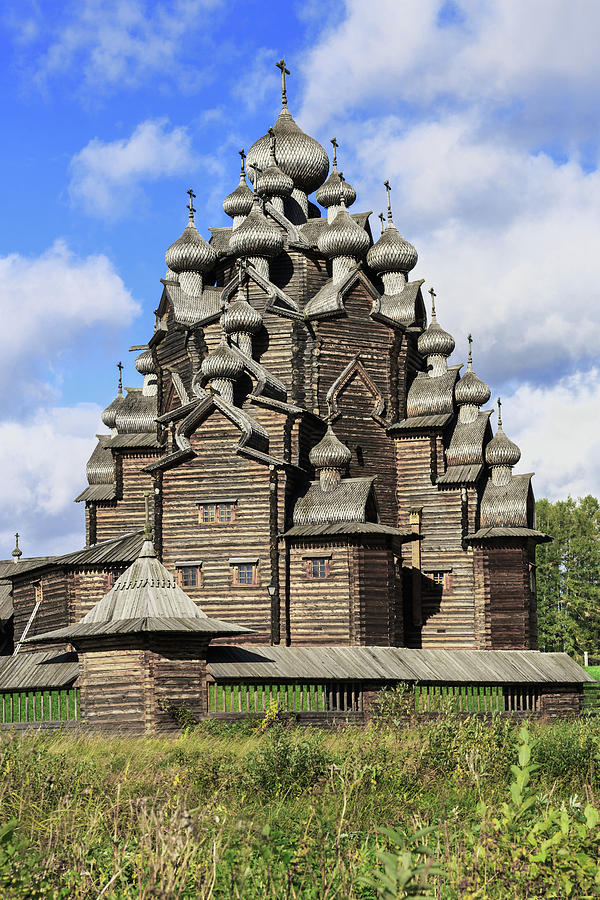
(442, 578)
(317, 567)
(438, 577)
(189, 574)
(217, 513)
(245, 572)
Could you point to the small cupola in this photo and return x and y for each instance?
(335, 187)
(191, 257)
(109, 416)
(17, 553)
(345, 242)
(435, 343)
(471, 392)
(272, 183)
(222, 367)
(330, 458)
(257, 240)
(241, 321)
(238, 204)
(501, 454)
(392, 256)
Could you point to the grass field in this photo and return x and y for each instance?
(594, 671)
(229, 810)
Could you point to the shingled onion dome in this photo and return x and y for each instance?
(471, 392)
(238, 204)
(298, 155)
(17, 553)
(329, 457)
(335, 187)
(392, 256)
(257, 240)
(344, 241)
(222, 367)
(242, 321)
(144, 363)
(272, 183)
(109, 416)
(501, 454)
(435, 343)
(191, 257)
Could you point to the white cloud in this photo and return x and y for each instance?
(42, 459)
(558, 431)
(116, 44)
(49, 303)
(106, 175)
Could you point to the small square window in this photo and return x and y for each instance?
(438, 577)
(207, 512)
(225, 512)
(213, 513)
(318, 567)
(189, 576)
(245, 573)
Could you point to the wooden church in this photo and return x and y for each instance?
(319, 476)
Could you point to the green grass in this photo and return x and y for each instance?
(227, 811)
(594, 671)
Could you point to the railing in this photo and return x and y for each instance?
(249, 699)
(29, 707)
(477, 698)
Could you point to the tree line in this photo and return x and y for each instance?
(568, 576)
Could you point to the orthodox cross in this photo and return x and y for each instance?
(470, 340)
(499, 413)
(272, 137)
(256, 171)
(242, 153)
(284, 72)
(335, 146)
(190, 205)
(433, 296)
(381, 219)
(120, 368)
(388, 189)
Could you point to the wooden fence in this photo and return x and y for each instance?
(32, 707)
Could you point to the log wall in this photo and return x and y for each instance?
(503, 597)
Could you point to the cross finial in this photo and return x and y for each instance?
(470, 359)
(433, 296)
(335, 146)
(17, 552)
(120, 368)
(382, 220)
(257, 172)
(242, 153)
(190, 205)
(147, 525)
(499, 413)
(272, 145)
(388, 189)
(284, 72)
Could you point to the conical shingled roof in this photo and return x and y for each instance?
(298, 155)
(145, 598)
(344, 237)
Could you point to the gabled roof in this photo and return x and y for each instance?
(97, 493)
(405, 308)
(188, 309)
(347, 502)
(145, 598)
(122, 549)
(421, 423)
(37, 670)
(329, 300)
(506, 532)
(506, 504)
(429, 396)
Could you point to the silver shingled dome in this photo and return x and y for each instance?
(298, 155)
(330, 453)
(344, 237)
(392, 253)
(222, 363)
(256, 236)
(190, 253)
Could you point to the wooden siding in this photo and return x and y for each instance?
(54, 607)
(377, 597)
(320, 609)
(502, 597)
(128, 512)
(115, 688)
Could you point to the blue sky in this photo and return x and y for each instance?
(484, 116)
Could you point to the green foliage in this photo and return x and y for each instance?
(283, 765)
(407, 868)
(568, 575)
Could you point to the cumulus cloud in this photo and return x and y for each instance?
(116, 44)
(42, 459)
(558, 433)
(106, 175)
(48, 303)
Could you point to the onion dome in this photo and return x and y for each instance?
(222, 363)
(330, 453)
(109, 416)
(298, 155)
(344, 237)
(17, 553)
(391, 253)
(471, 390)
(144, 363)
(434, 341)
(501, 451)
(190, 252)
(241, 317)
(272, 182)
(256, 236)
(335, 186)
(239, 202)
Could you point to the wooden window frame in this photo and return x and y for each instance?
(442, 578)
(195, 567)
(309, 567)
(218, 508)
(235, 579)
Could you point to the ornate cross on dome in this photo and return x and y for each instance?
(335, 146)
(120, 368)
(388, 189)
(470, 340)
(382, 220)
(499, 413)
(272, 139)
(433, 296)
(190, 205)
(257, 171)
(284, 72)
(242, 153)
